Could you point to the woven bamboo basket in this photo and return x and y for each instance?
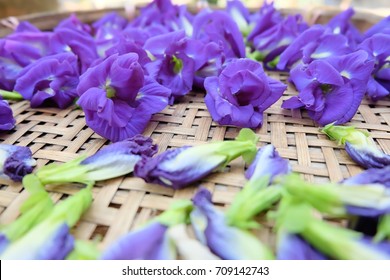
(122, 204)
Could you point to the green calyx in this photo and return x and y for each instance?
(177, 64)
(11, 95)
(343, 134)
(178, 213)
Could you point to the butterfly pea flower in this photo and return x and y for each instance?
(33, 210)
(333, 242)
(225, 241)
(51, 239)
(264, 19)
(14, 56)
(359, 145)
(112, 161)
(241, 93)
(118, 101)
(173, 68)
(331, 89)
(381, 26)
(177, 168)
(51, 80)
(15, 162)
(370, 200)
(341, 24)
(272, 42)
(151, 241)
(240, 15)
(294, 247)
(256, 196)
(106, 31)
(377, 47)
(219, 27)
(74, 23)
(371, 176)
(7, 121)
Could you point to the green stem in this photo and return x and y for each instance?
(11, 95)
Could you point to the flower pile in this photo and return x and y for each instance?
(121, 72)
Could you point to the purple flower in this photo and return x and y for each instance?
(173, 68)
(106, 31)
(381, 27)
(118, 102)
(359, 146)
(50, 80)
(7, 121)
(268, 163)
(371, 176)
(317, 42)
(14, 56)
(219, 27)
(294, 247)
(112, 161)
(272, 42)
(240, 15)
(227, 242)
(265, 19)
(78, 42)
(32, 36)
(178, 168)
(4, 242)
(72, 22)
(151, 241)
(331, 89)
(378, 50)
(241, 93)
(148, 243)
(341, 24)
(163, 13)
(15, 162)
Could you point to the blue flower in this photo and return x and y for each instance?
(227, 242)
(7, 121)
(359, 146)
(178, 168)
(112, 161)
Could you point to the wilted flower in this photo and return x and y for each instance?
(377, 47)
(150, 242)
(255, 197)
(241, 93)
(50, 80)
(15, 162)
(177, 168)
(359, 145)
(225, 241)
(117, 100)
(51, 239)
(7, 121)
(331, 89)
(219, 27)
(112, 161)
